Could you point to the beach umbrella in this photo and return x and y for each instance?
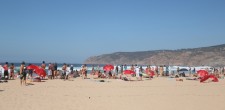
(202, 73)
(108, 67)
(41, 72)
(128, 72)
(214, 79)
(33, 67)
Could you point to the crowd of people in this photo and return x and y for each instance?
(68, 72)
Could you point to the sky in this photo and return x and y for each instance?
(73, 30)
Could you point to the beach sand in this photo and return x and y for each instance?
(89, 94)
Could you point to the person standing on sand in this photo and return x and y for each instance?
(178, 70)
(64, 70)
(125, 67)
(157, 71)
(67, 73)
(132, 68)
(84, 71)
(30, 74)
(50, 70)
(55, 70)
(121, 69)
(117, 70)
(43, 66)
(137, 71)
(23, 74)
(6, 73)
(12, 71)
(161, 70)
(71, 71)
(1, 71)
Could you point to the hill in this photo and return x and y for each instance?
(212, 56)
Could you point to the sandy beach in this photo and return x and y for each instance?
(157, 94)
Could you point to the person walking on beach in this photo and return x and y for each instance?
(23, 74)
(11, 71)
(6, 73)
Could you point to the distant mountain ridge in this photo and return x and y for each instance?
(212, 56)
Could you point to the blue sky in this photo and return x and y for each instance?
(73, 30)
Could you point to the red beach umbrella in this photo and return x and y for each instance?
(202, 73)
(108, 67)
(41, 72)
(128, 72)
(214, 79)
(34, 67)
